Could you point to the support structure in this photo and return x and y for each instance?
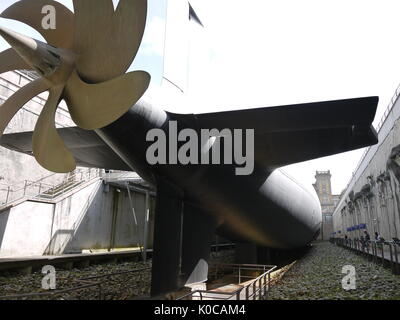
(183, 235)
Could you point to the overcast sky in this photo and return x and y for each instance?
(268, 53)
(293, 51)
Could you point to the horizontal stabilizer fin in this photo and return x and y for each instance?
(88, 148)
(297, 117)
(301, 132)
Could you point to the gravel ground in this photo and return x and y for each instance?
(118, 287)
(318, 276)
(125, 286)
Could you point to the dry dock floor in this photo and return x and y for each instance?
(318, 275)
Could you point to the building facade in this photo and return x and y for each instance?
(328, 201)
(372, 199)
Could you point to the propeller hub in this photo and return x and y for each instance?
(52, 63)
(63, 70)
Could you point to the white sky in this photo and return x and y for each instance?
(292, 51)
(268, 53)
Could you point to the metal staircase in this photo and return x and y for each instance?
(42, 190)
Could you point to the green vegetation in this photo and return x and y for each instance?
(319, 276)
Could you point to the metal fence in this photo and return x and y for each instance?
(255, 288)
(384, 252)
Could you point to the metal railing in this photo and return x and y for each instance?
(112, 176)
(384, 252)
(388, 108)
(256, 289)
(41, 190)
(212, 295)
(84, 283)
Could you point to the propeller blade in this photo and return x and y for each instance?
(30, 13)
(107, 41)
(13, 104)
(10, 60)
(48, 147)
(93, 106)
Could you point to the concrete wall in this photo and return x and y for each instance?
(98, 216)
(25, 229)
(373, 194)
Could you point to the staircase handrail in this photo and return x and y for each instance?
(69, 181)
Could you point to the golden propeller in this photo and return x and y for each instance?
(83, 62)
